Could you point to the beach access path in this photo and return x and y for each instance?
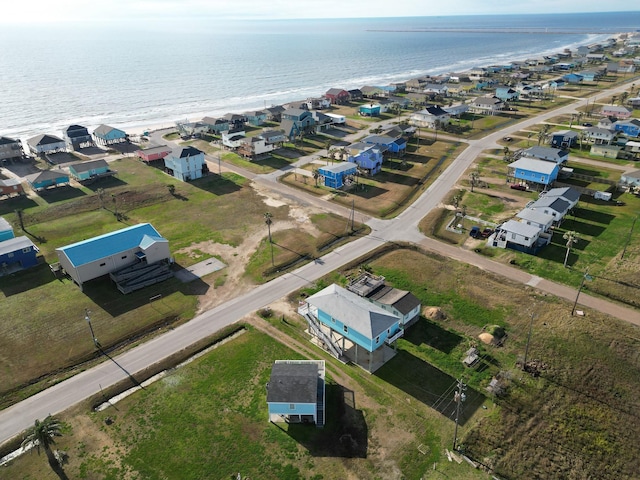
(19, 417)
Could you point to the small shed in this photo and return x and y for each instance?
(153, 153)
(335, 175)
(10, 186)
(296, 392)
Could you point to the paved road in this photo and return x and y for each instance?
(17, 418)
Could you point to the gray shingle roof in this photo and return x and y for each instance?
(293, 383)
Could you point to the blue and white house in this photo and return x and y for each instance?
(367, 157)
(89, 170)
(47, 178)
(186, 164)
(16, 254)
(396, 145)
(631, 128)
(534, 170)
(351, 326)
(296, 392)
(106, 135)
(335, 176)
(98, 256)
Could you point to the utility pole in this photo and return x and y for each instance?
(526, 349)
(586, 276)
(88, 319)
(624, 250)
(458, 397)
(268, 221)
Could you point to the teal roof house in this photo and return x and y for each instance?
(296, 392)
(104, 254)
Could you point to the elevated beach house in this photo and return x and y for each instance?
(564, 139)
(10, 148)
(10, 186)
(77, 137)
(337, 96)
(533, 170)
(44, 144)
(367, 157)
(92, 170)
(517, 236)
(47, 178)
(106, 135)
(337, 175)
(296, 392)
(351, 327)
(488, 105)
(152, 154)
(104, 254)
(186, 164)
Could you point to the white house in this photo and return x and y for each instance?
(429, 117)
(537, 218)
(42, 144)
(486, 105)
(186, 164)
(516, 235)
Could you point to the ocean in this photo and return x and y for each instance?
(149, 73)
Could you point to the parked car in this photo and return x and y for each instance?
(475, 232)
(507, 139)
(518, 186)
(486, 233)
(587, 124)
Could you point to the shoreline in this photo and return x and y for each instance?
(137, 127)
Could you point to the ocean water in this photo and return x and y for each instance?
(140, 74)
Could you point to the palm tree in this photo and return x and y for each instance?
(571, 237)
(623, 97)
(268, 221)
(43, 434)
(474, 177)
(316, 175)
(543, 134)
(507, 153)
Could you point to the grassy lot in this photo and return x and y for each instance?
(575, 416)
(390, 191)
(211, 210)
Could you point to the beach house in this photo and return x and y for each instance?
(564, 139)
(216, 125)
(11, 186)
(366, 156)
(9, 149)
(106, 135)
(489, 105)
(45, 144)
(338, 175)
(89, 171)
(337, 96)
(533, 170)
(186, 164)
(631, 128)
(548, 154)
(351, 327)
(153, 153)
(621, 113)
(104, 254)
(296, 392)
(397, 145)
(47, 178)
(430, 117)
(517, 236)
(17, 253)
(77, 137)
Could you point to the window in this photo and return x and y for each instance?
(123, 257)
(292, 406)
(26, 250)
(10, 255)
(333, 320)
(345, 328)
(378, 339)
(388, 331)
(102, 264)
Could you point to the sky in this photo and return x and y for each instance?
(59, 11)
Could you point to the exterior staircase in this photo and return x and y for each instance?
(316, 329)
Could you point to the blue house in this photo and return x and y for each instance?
(186, 164)
(387, 144)
(47, 178)
(351, 326)
(573, 78)
(6, 230)
(256, 118)
(564, 139)
(216, 125)
(370, 110)
(296, 392)
(631, 128)
(507, 94)
(296, 121)
(534, 170)
(106, 135)
(334, 175)
(90, 170)
(16, 254)
(367, 157)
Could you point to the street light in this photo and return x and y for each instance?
(93, 336)
(585, 276)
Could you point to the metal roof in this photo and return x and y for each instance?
(353, 311)
(102, 246)
(534, 165)
(15, 244)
